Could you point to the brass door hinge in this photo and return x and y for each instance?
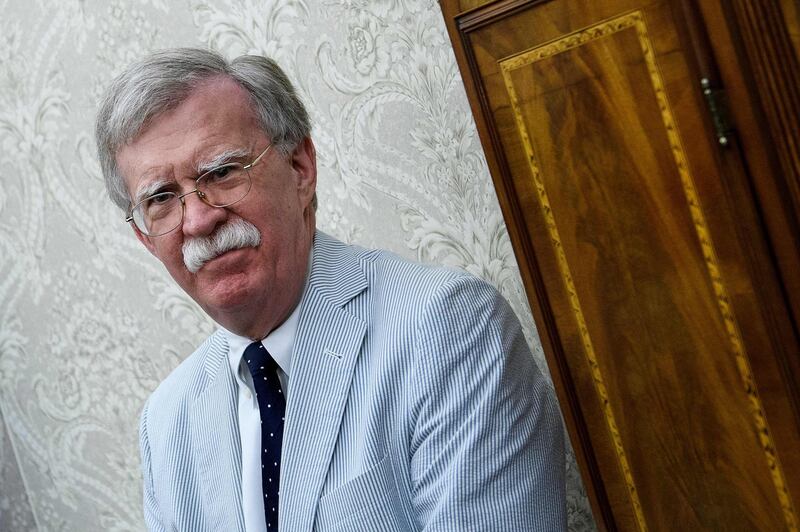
(718, 107)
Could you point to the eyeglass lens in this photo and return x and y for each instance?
(161, 213)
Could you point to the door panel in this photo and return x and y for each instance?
(606, 167)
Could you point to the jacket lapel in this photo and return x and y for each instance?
(215, 433)
(329, 339)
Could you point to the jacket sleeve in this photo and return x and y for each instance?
(152, 515)
(487, 450)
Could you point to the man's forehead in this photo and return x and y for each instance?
(218, 102)
(214, 118)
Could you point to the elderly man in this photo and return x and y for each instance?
(348, 389)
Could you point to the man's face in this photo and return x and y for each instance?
(250, 290)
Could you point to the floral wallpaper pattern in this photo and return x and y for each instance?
(90, 323)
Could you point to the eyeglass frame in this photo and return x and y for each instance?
(200, 194)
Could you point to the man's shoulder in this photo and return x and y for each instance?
(422, 284)
(384, 268)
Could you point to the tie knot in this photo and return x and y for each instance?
(258, 358)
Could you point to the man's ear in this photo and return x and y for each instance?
(304, 162)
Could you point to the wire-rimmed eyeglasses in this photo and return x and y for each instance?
(162, 212)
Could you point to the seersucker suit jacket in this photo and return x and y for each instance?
(414, 404)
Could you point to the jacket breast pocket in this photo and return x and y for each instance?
(368, 502)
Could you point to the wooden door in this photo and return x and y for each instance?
(651, 280)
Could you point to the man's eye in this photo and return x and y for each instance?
(159, 199)
(220, 174)
(157, 205)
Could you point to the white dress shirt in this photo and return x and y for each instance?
(279, 343)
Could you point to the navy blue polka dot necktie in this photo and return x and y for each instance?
(272, 409)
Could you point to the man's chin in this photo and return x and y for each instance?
(222, 292)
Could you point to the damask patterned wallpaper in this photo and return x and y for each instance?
(90, 323)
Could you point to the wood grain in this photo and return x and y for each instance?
(644, 257)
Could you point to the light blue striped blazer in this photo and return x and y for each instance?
(414, 404)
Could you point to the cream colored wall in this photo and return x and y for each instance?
(90, 323)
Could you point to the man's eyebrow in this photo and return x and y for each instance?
(221, 158)
(148, 189)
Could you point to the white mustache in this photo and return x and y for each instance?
(233, 235)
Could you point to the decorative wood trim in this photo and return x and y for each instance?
(759, 168)
(775, 85)
(523, 250)
(476, 19)
(636, 21)
(741, 189)
(563, 44)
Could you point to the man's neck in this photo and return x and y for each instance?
(255, 323)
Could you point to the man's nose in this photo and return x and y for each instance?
(200, 218)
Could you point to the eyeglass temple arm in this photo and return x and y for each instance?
(263, 153)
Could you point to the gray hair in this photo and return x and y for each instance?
(163, 80)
